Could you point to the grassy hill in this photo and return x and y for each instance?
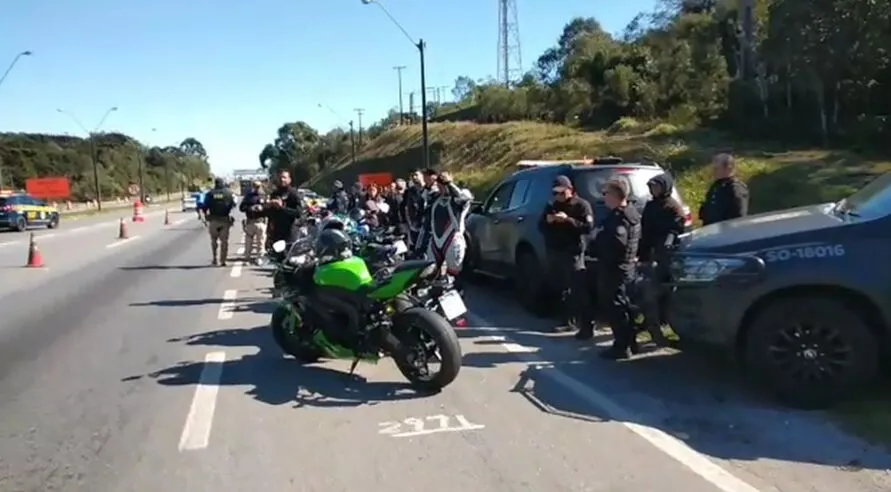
(480, 155)
(118, 156)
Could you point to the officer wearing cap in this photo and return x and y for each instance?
(565, 224)
(615, 247)
(217, 207)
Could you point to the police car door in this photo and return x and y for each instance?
(35, 211)
(513, 221)
(490, 217)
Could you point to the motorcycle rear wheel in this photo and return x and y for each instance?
(288, 341)
(415, 327)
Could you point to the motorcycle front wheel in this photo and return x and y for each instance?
(284, 329)
(426, 337)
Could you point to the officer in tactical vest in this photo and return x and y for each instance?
(217, 207)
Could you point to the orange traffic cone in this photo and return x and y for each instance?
(166, 217)
(122, 230)
(35, 259)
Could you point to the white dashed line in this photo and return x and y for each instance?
(227, 307)
(682, 453)
(196, 432)
(121, 242)
(236, 270)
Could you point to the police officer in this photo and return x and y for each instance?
(565, 224)
(218, 204)
(615, 247)
(728, 196)
(340, 200)
(284, 209)
(254, 222)
(413, 206)
(662, 223)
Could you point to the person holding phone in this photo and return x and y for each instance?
(565, 223)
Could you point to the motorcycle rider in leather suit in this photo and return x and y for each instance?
(446, 214)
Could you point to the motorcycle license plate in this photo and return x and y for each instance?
(452, 305)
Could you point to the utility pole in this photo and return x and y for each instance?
(411, 106)
(352, 142)
(399, 70)
(747, 57)
(359, 112)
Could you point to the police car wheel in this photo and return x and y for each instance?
(811, 352)
(21, 224)
(53, 223)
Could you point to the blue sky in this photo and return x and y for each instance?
(229, 72)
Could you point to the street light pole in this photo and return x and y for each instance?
(2, 79)
(421, 46)
(93, 157)
(399, 70)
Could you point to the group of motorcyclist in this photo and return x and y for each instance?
(625, 241)
(430, 209)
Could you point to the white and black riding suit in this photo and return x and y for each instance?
(444, 227)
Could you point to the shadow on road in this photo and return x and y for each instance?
(276, 380)
(167, 267)
(696, 397)
(178, 302)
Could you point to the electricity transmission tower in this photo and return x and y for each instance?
(510, 63)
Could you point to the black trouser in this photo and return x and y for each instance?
(612, 293)
(570, 278)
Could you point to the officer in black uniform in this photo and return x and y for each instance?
(615, 247)
(566, 222)
(284, 209)
(662, 223)
(728, 196)
(217, 207)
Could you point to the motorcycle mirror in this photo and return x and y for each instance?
(278, 246)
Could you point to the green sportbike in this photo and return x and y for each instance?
(336, 309)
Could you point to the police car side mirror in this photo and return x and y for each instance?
(278, 246)
(477, 208)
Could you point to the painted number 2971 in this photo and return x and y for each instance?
(427, 425)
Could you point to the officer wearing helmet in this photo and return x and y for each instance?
(340, 200)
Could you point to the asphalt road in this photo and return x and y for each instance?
(137, 367)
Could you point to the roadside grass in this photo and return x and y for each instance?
(778, 177)
(480, 155)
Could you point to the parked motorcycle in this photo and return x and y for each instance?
(323, 298)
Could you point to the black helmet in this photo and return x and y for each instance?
(332, 244)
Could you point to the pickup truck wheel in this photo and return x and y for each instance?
(529, 284)
(811, 352)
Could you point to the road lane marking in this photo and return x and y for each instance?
(44, 236)
(236, 270)
(199, 422)
(697, 462)
(177, 222)
(8, 243)
(120, 242)
(418, 426)
(227, 307)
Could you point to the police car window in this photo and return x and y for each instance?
(499, 200)
(25, 200)
(38, 202)
(590, 182)
(872, 201)
(518, 196)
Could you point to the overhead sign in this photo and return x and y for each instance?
(250, 174)
(48, 188)
(380, 179)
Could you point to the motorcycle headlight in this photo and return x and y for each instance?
(694, 269)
